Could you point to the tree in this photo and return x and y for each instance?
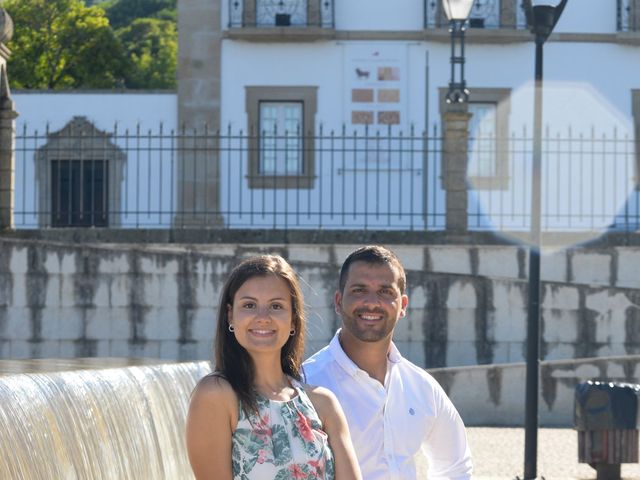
(151, 49)
(122, 13)
(62, 44)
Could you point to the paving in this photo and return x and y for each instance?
(498, 453)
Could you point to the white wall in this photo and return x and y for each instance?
(379, 15)
(148, 175)
(587, 92)
(103, 108)
(582, 96)
(588, 16)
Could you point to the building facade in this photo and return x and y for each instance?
(338, 100)
(331, 114)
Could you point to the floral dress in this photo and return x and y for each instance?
(285, 441)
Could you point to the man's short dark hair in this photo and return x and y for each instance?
(374, 254)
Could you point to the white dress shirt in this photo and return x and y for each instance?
(392, 424)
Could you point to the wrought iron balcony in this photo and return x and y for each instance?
(628, 16)
(489, 14)
(281, 13)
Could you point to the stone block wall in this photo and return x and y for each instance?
(467, 304)
(495, 394)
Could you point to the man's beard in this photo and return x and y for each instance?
(372, 333)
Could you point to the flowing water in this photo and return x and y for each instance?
(95, 423)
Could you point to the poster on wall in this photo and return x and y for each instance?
(376, 85)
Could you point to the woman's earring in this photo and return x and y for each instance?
(231, 329)
(292, 332)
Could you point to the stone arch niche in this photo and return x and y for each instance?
(79, 174)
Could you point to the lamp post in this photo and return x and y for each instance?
(457, 11)
(455, 124)
(542, 17)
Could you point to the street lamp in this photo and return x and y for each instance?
(457, 11)
(542, 17)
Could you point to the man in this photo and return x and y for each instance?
(396, 411)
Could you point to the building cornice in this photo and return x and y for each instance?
(279, 34)
(439, 35)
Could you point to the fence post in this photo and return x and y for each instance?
(198, 170)
(634, 16)
(8, 115)
(454, 169)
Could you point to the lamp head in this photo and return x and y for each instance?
(457, 9)
(543, 17)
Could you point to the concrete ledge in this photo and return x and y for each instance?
(301, 236)
(279, 34)
(495, 394)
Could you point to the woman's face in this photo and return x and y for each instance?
(261, 314)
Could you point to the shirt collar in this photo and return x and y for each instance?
(347, 364)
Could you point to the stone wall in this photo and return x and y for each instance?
(467, 305)
(495, 394)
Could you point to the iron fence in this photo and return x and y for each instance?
(330, 179)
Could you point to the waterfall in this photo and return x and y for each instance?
(113, 423)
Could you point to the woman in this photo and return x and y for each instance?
(252, 419)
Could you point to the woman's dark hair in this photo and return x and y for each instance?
(233, 362)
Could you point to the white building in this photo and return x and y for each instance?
(315, 64)
(328, 114)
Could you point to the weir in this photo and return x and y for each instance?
(95, 418)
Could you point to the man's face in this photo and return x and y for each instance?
(371, 303)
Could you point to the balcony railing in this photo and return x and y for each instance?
(281, 13)
(628, 16)
(489, 14)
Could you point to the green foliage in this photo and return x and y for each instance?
(122, 13)
(151, 50)
(62, 44)
(93, 44)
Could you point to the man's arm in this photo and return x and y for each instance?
(447, 450)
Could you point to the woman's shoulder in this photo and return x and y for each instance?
(215, 388)
(323, 399)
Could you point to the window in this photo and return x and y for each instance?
(281, 139)
(78, 193)
(488, 167)
(79, 176)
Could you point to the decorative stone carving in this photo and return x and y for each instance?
(6, 26)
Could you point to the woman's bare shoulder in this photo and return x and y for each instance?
(214, 388)
(323, 399)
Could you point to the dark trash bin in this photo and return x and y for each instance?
(606, 418)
